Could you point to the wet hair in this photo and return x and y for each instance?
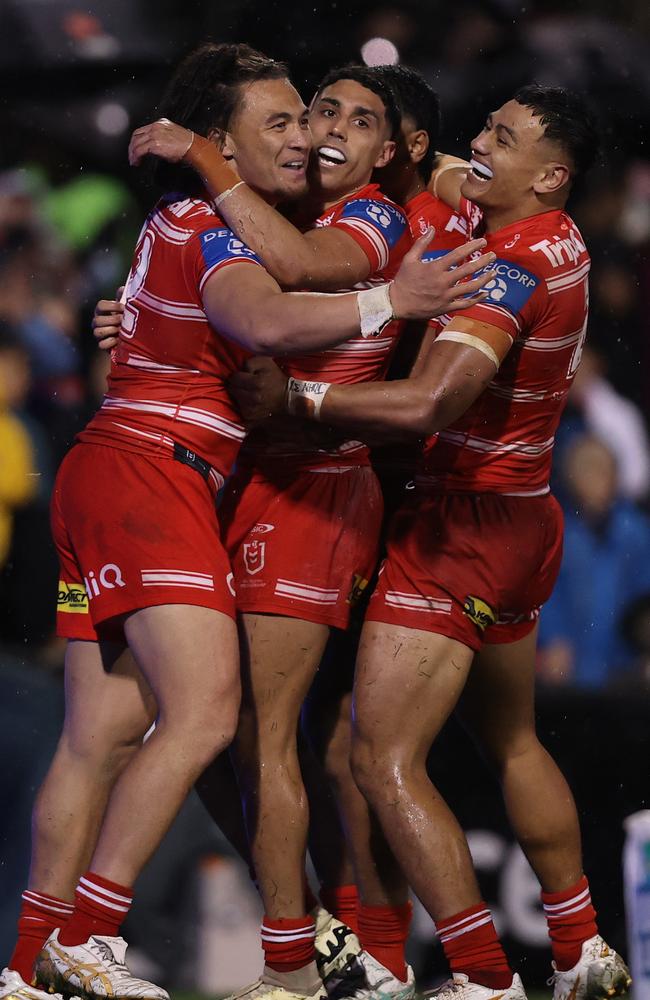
(567, 120)
(372, 80)
(205, 93)
(418, 100)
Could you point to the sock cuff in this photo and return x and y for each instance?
(102, 892)
(390, 917)
(47, 904)
(285, 929)
(464, 920)
(340, 893)
(574, 894)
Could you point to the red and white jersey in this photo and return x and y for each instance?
(503, 443)
(380, 228)
(451, 230)
(168, 373)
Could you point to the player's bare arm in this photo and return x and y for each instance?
(323, 259)
(252, 309)
(447, 177)
(451, 375)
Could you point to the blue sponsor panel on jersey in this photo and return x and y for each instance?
(430, 255)
(512, 285)
(219, 245)
(387, 218)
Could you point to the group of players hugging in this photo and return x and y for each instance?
(320, 305)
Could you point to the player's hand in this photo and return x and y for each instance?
(424, 289)
(161, 138)
(260, 390)
(107, 320)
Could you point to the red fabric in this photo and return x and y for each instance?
(39, 916)
(100, 907)
(156, 542)
(471, 946)
(442, 575)
(383, 931)
(571, 920)
(302, 544)
(288, 942)
(343, 902)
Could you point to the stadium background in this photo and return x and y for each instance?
(75, 79)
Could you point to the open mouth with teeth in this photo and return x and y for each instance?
(296, 165)
(331, 156)
(479, 171)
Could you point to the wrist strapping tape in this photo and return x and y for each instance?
(375, 310)
(304, 399)
(219, 178)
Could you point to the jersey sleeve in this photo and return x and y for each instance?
(513, 296)
(377, 226)
(217, 248)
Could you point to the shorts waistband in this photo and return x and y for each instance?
(200, 465)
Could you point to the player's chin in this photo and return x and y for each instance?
(294, 181)
(474, 189)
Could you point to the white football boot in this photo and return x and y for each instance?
(459, 987)
(337, 952)
(600, 972)
(303, 984)
(14, 987)
(95, 969)
(379, 983)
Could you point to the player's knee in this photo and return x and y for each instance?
(106, 748)
(369, 767)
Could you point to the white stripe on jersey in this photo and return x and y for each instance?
(168, 232)
(523, 448)
(521, 395)
(569, 277)
(137, 361)
(552, 343)
(373, 235)
(167, 307)
(186, 414)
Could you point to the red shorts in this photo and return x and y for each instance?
(303, 544)
(473, 566)
(133, 532)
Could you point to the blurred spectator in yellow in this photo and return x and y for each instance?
(606, 566)
(18, 473)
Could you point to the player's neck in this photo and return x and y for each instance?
(501, 217)
(330, 198)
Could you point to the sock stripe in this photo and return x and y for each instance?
(443, 927)
(280, 933)
(444, 937)
(574, 909)
(99, 899)
(583, 899)
(89, 884)
(289, 937)
(65, 910)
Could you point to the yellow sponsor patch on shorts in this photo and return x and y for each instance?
(72, 598)
(479, 612)
(359, 584)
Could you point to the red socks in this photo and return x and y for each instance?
(471, 946)
(571, 921)
(39, 915)
(100, 907)
(342, 902)
(383, 931)
(288, 942)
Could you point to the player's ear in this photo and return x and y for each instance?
(418, 144)
(555, 176)
(223, 141)
(387, 153)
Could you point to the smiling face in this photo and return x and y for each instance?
(351, 137)
(515, 171)
(269, 140)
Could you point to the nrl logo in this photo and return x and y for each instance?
(254, 553)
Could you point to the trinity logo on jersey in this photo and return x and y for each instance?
(561, 250)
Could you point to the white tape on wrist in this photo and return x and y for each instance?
(225, 194)
(375, 310)
(304, 399)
